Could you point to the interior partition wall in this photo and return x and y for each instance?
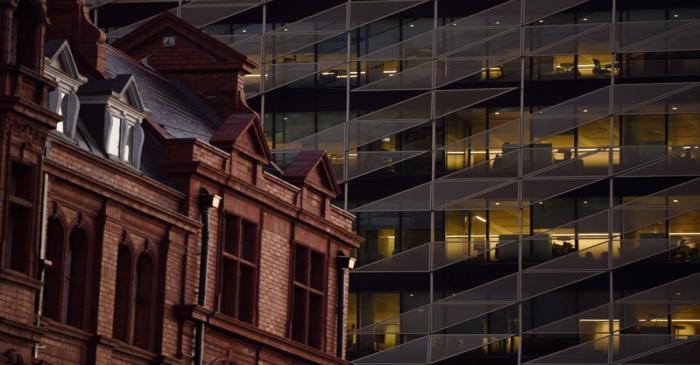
(526, 173)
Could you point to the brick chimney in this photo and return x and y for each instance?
(70, 19)
(179, 51)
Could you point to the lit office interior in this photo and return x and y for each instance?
(526, 173)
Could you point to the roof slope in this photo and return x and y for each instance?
(173, 107)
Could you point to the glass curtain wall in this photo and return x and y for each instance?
(526, 173)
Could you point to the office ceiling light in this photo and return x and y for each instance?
(674, 108)
(675, 15)
(497, 203)
(585, 19)
(541, 21)
(585, 110)
(479, 218)
(411, 25)
(675, 200)
(497, 113)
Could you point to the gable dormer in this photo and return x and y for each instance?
(113, 111)
(313, 172)
(60, 66)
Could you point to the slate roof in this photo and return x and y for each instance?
(180, 113)
(105, 87)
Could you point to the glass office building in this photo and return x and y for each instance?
(526, 173)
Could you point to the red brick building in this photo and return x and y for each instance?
(142, 219)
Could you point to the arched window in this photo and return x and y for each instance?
(75, 278)
(52, 276)
(122, 294)
(26, 35)
(143, 300)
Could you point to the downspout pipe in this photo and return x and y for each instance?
(206, 202)
(344, 265)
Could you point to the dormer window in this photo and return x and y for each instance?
(60, 66)
(121, 137)
(119, 101)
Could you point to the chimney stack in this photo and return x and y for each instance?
(70, 19)
(180, 51)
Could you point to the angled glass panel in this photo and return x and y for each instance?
(680, 161)
(535, 191)
(416, 48)
(415, 108)
(451, 70)
(416, 259)
(497, 195)
(458, 250)
(594, 103)
(412, 322)
(249, 45)
(538, 9)
(681, 291)
(280, 43)
(453, 38)
(413, 199)
(566, 162)
(363, 132)
(448, 314)
(593, 258)
(681, 100)
(538, 283)
(503, 45)
(594, 225)
(633, 345)
(446, 346)
(450, 101)
(500, 137)
(280, 74)
(573, 324)
(567, 39)
(414, 78)
(365, 162)
(507, 13)
(631, 97)
(657, 36)
(681, 352)
(365, 12)
(330, 139)
(503, 196)
(204, 12)
(499, 166)
(593, 352)
(503, 290)
(451, 191)
(632, 157)
(412, 352)
(329, 20)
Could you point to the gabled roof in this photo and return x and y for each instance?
(122, 86)
(223, 54)
(60, 56)
(243, 133)
(313, 168)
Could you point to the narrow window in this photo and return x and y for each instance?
(113, 136)
(128, 142)
(122, 294)
(308, 304)
(52, 276)
(239, 268)
(59, 110)
(26, 35)
(76, 278)
(143, 301)
(19, 221)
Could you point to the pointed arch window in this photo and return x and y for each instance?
(122, 295)
(55, 235)
(143, 301)
(26, 35)
(75, 279)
